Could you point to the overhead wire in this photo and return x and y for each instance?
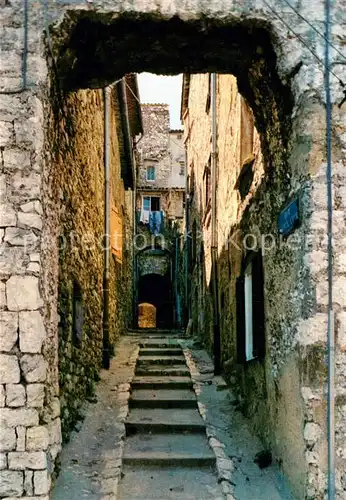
(302, 40)
(314, 28)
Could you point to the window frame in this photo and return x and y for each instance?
(251, 338)
(153, 168)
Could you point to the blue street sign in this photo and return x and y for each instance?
(289, 218)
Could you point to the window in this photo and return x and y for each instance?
(151, 173)
(182, 168)
(250, 310)
(151, 203)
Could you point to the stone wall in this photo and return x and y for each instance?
(77, 141)
(91, 45)
(154, 146)
(282, 394)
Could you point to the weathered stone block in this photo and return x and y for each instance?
(35, 460)
(312, 433)
(25, 417)
(9, 369)
(3, 461)
(30, 220)
(23, 293)
(41, 482)
(11, 483)
(17, 236)
(8, 438)
(34, 267)
(15, 395)
(12, 261)
(37, 438)
(26, 187)
(313, 330)
(339, 295)
(35, 395)
(34, 367)
(3, 302)
(2, 396)
(6, 133)
(8, 216)
(31, 331)
(341, 319)
(21, 438)
(9, 330)
(54, 430)
(28, 482)
(16, 159)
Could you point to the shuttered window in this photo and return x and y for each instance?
(250, 310)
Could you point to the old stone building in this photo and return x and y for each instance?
(161, 175)
(160, 195)
(270, 350)
(57, 48)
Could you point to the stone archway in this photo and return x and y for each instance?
(287, 99)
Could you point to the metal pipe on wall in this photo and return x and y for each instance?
(331, 332)
(106, 238)
(217, 343)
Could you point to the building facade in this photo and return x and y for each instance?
(160, 198)
(265, 315)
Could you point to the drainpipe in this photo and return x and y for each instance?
(217, 343)
(331, 332)
(187, 256)
(134, 256)
(106, 241)
(177, 301)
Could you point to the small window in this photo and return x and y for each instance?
(179, 136)
(250, 310)
(182, 168)
(146, 203)
(77, 316)
(151, 174)
(155, 204)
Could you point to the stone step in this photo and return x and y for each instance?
(160, 360)
(163, 398)
(159, 343)
(164, 420)
(169, 483)
(162, 370)
(154, 382)
(173, 351)
(168, 449)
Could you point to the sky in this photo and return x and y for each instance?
(162, 89)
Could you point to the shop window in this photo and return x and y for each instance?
(77, 315)
(250, 310)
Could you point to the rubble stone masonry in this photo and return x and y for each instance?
(90, 45)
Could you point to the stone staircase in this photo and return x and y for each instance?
(166, 454)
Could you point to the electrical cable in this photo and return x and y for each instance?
(24, 65)
(302, 41)
(314, 28)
